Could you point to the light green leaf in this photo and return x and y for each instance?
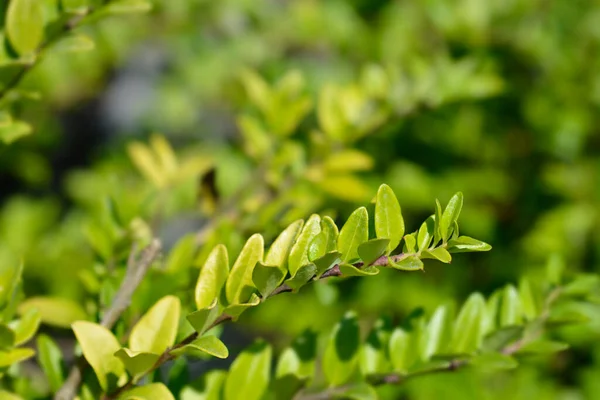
(327, 262)
(400, 351)
(354, 232)
(464, 244)
(348, 160)
(10, 276)
(299, 252)
(450, 215)
(152, 391)
(203, 318)
(156, 330)
(280, 249)
(468, 328)
(235, 310)
(326, 241)
(13, 356)
(359, 391)
(426, 233)
(373, 357)
(136, 362)
(25, 25)
(239, 285)
(109, 369)
(341, 353)
(438, 219)
(410, 243)
(510, 309)
(266, 278)
(4, 395)
(370, 251)
(128, 6)
(7, 337)
(51, 360)
(389, 223)
(494, 361)
(213, 275)
(249, 374)
(438, 332)
(206, 344)
(14, 131)
(75, 43)
(410, 263)
(207, 387)
(542, 346)
(54, 310)
(74, 6)
(439, 253)
(299, 359)
(351, 270)
(303, 275)
(26, 327)
(181, 257)
(582, 285)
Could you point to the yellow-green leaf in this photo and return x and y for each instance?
(354, 232)
(212, 277)
(157, 329)
(206, 344)
(13, 356)
(299, 253)
(25, 25)
(450, 215)
(280, 249)
(54, 310)
(26, 326)
(389, 223)
(152, 391)
(136, 362)
(239, 286)
(249, 374)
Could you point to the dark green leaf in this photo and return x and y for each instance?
(266, 278)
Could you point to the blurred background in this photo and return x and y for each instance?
(281, 108)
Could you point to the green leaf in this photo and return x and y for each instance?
(299, 359)
(13, 356)
(464, 244)
(152, 391)
(468, 331)
(203, 318)
(494, 361)
(51, 361)
(348, 160)
(267, 278)
(373, 357)
(426, 233)
(181, 257)
(128, 6)
(299, 252)
(410, 263)
(498, 340)
(527, 299)
(235, 310)
(450, 215)
(249, 374)
(510, 309)
(26, 327)
(325, 242)
(582, 285)
(400, 350)
(239, 285)
(157, 329)
(370, 251)
(54, 310)
(439, 253)
(206, 344)
(109, 369)
(136, 362)
(25, 25)
(74, 6)
(280, 249)
(207, 387)
(438, 333)
(351, 270)
(542, 346)
(286, 387)
(327, 262)
(4, 395)
(438, 219)
(410, 243)
(341, 353)
(7, 337)
(213, 275)
(303, 275)
(358, 391)
(75, 43)
(14, 131)
(10, 276)
(354, 232)
(389, 223)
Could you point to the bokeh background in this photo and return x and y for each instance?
(499, 99)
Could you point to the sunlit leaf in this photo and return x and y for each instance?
(249, 374)
(239, 284)
(450, 215)
(156, 330)
(354, 232)
(54, 311)
(213, 275)
(25, 25)
(389, 223)
(299, 254)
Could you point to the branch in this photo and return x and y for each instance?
(136, 270)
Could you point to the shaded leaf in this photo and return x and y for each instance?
(498, 340)
(327, 262)
(494, 361)
(267, 278)
(370, 251)
(235, 310)
(351, 270)
(358, 391)
(249, 374)
(203, 318)
(303, 275)
(136, 362)
(299, 359)
(542, 346)
(468, 328)
(51, 361)
(341, 353)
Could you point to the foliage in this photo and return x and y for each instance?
(282, 118)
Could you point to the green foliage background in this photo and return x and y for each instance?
(498, 99)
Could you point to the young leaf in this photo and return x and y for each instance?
(280, 249)
(510, 310)
(439, 253)
(389, 223)
(351, 270)
(266, 278)
(354, 232)
(136, 362)
(13, 356)
(109, 370)
(464, 244)
(25, 25)
(299, 252)
(410, 263)
(438, 220)
(249, 374)
(400, 352)
(341, 353)
(303, 275)
(212, 277)
(206, 344)
(54, 310)
(239, 285)
(450, 215)
(156, 330)
(151, 391)
(468, 332)
(51, 361)
(370, 251)
(426, 233)
(25, 327)
(325, 242)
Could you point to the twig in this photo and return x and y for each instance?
(136, 270)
